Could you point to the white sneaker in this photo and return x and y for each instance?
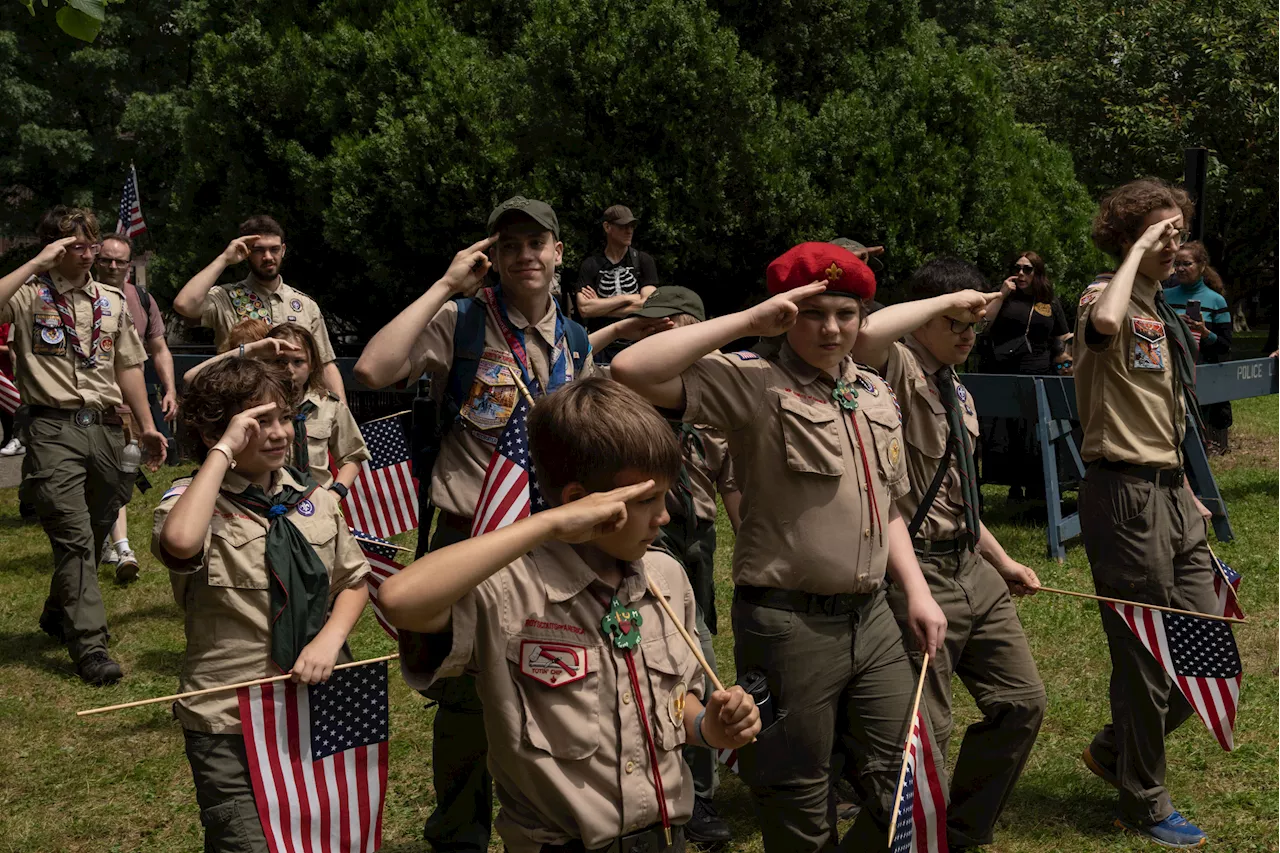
(109, 554)
(127, 566)
(13, 448)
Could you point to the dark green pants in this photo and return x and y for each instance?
(72, 475)
(1145, 543)
(838, 678)
(224, 792)
(988, 649)
(463, 817)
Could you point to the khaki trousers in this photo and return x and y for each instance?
(987, 648)
(1145, 543)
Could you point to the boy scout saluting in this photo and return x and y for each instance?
(78, 357)
(589, 690)
(969, 574)
(1143, 529)
(262, 295)
(817, 449)
(523, 331)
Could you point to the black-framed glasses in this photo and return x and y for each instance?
(959, 327)
(1027, 268)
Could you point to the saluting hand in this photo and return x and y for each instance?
(244, 427)
(51, 254)
(970, 306)
(732, 719)
(469, 267)
(597, 514)
(778, 314)
(1157, 236)
(272, 348)
(639, 328)
(239, 249)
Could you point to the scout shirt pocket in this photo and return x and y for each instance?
(671, 670)
(318, 431)
(318, 528)
(493, 394)
(886, 435)
(1149, 345)
(812, 437)
(47, 336)
(559, 688)
(238, 553)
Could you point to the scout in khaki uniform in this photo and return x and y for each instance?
(231, 560)
(817, 450)
(589, 690)
(323, 425)
(1143, 529)
(261, 296)
(524, 332)
(690, 537)
(968, 572)
(77, 356)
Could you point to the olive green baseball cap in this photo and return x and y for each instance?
(539, 211)
(856, 247)
(669, 301)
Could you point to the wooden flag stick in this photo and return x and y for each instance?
(906, 749)
(692, 643)
(386, 417)
(515, 374)
(208, 690)
(360, 538)
(1142, 604)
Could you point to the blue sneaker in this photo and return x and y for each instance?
(1174, 831)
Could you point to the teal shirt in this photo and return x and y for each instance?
(1213, 307)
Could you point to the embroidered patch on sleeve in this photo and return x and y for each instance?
(746, 355)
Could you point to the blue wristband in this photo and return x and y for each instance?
(697, 729)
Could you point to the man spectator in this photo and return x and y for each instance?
(263, 295)
(114, 257)
(614, 284)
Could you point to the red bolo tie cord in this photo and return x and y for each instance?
(866, 473)
(653, 749)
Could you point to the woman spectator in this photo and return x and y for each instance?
(1198, 289)
(1025, 337)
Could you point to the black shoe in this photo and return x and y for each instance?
(51, 624)
(706, 826)
(97, 668)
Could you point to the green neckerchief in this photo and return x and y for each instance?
(946, 382)
(301, 457)
(299, 581)
(1185, 353)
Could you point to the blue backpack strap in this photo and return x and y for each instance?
(468, 348)
(579, 343)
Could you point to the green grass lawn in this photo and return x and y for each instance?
(119, 782)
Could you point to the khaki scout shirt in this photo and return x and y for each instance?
(468, 446)
(710, 467)
(1129, 409)
(225, 593)
(47, 370)
(227, 305)
(332, 429)
(567, 748)
(807, 524)
(912, 372)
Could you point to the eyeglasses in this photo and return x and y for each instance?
(1023, 268)
(959, 327)
(113, 262)
(1062, 365)
(84, 248)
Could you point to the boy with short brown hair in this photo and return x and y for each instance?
(589, 691)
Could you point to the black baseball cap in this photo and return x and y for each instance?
(669, 301)
(539, 211)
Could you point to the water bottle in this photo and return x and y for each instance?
(132, 458)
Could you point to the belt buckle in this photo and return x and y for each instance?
(84, 417)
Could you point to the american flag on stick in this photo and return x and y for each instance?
(384, 497)
(921, 825)
(1226, 586)
(382, 564)
(9, 399)
(1200, 655)
(130, 222)
(318, 760)
(509, 491)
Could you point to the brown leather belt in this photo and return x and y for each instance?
(794, 601)
(1168, 477)
(80, 417)
(649, 840)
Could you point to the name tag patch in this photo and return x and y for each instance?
(1148, 344)
(553, 664)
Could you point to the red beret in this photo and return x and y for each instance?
(809, 262)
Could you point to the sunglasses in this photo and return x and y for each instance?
(1023, 268)
(1062, 365)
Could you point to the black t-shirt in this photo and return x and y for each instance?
(635, 271)
(1047, 321)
